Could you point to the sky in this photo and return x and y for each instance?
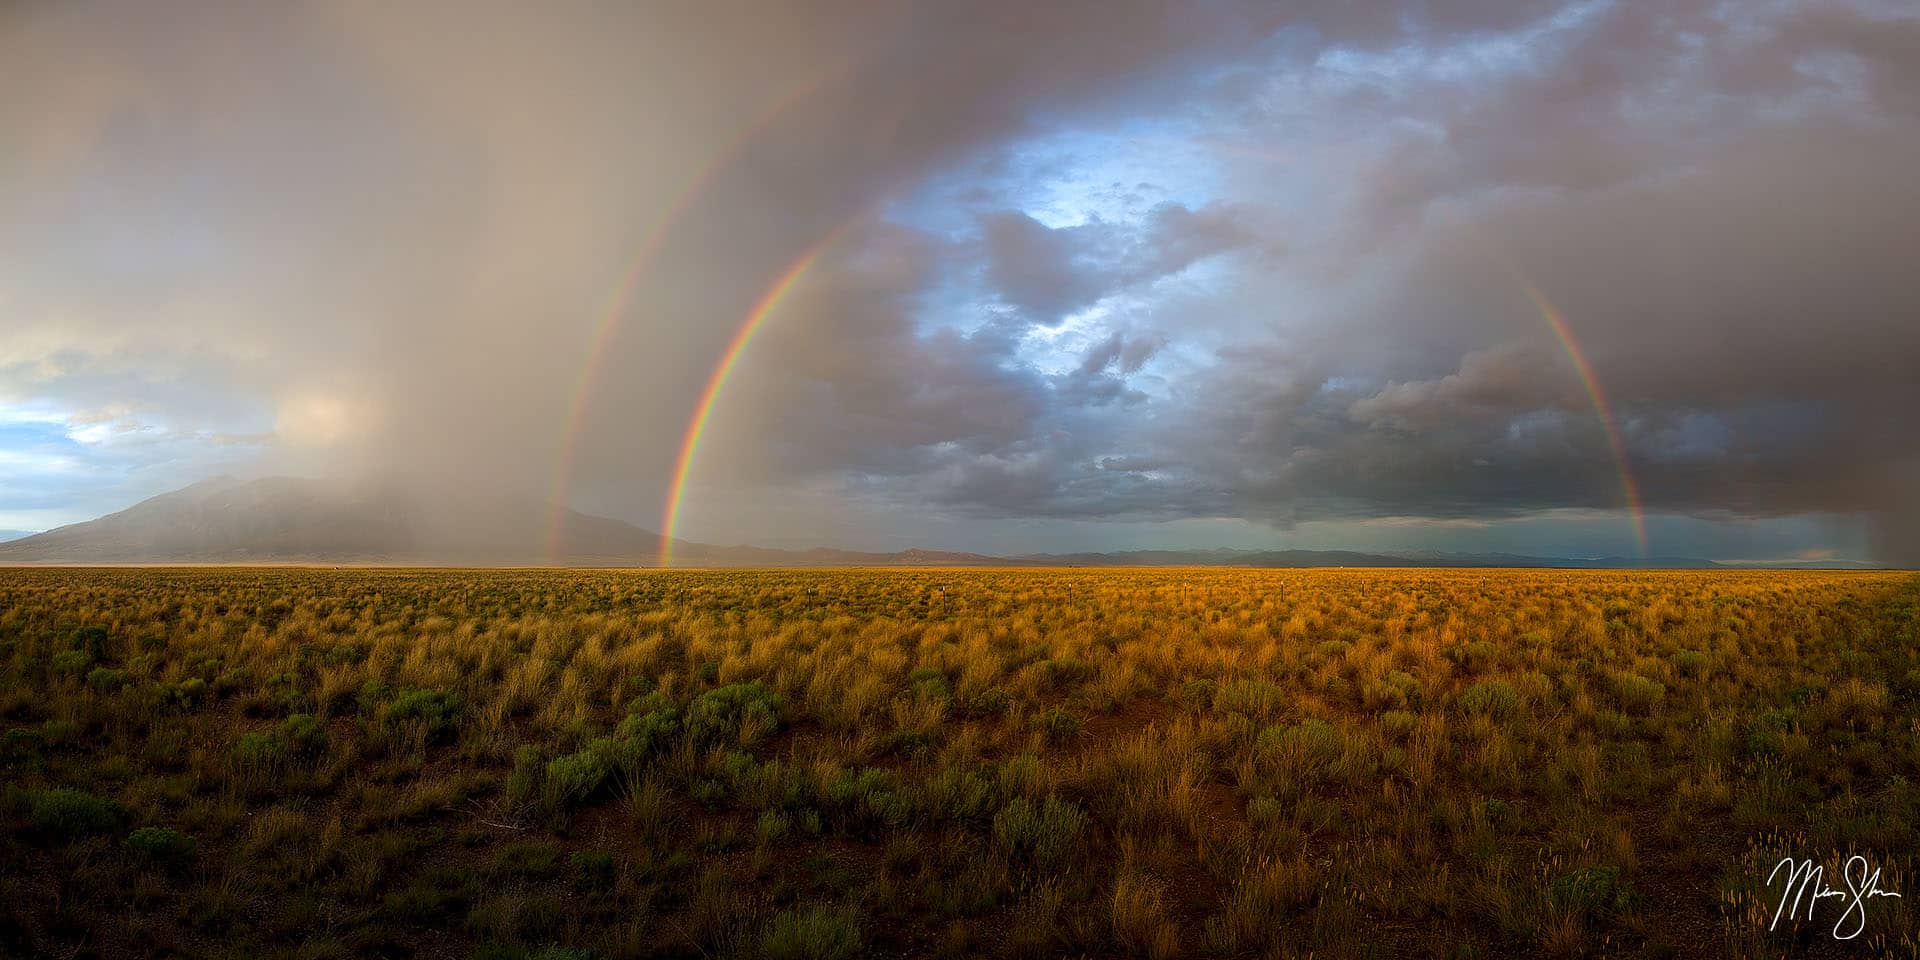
(1575, 279)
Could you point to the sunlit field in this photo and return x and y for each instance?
(792, 764)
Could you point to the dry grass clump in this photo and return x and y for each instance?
(1156, 763)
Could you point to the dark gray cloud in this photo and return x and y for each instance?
(1718, 211)
(1050, 272)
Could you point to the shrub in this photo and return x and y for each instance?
(1045, 834)
(642, 735)
(68, 814)
(1059, 725)
(1265, 812)
(106, 679)
(745, 712)
(1472, 657)
(93, 640)
(528, 761)
(1691, 663)
(70, 663)
(1496, 812)
(1857, 704)
(709, 793)
(907, 743)
(438, 708)
(929, 684)
(1023, 774)
(992, 702)
(649, 701)
(186, 693)
(1199, 692)
(1332, 648)
(1637, 694)
(1768, 730)
(814, 933)
(958, 794)
(1492, 698)
(531, 860)
(161, 844)
(772, 825)
(1255, 698)
(1305, 746)
(1395, 690)
(576, 776)
(59, 731)
(23, 742)
(303, 735)
(1596, 892)
(371, 695)
(516, 916)
(593, 869)
(259, 749)
(1062, 672)
(426, 900)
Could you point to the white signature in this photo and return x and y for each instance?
(1807, 883)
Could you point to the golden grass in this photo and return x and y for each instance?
(1158, 763)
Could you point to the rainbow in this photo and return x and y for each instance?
(791, 276)
(696, 427)
(1601, 407)
(621, 302)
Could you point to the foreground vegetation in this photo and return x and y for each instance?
(220, 762)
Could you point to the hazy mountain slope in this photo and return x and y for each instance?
(283, 519)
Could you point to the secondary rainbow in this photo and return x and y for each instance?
(621, 302)
(696, 427)
(1584, 368)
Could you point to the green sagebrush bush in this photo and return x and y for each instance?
(811, 933)
(439, 709)
(67, 814)
(1492, 698)
(1598, 892)
(161, 845)
(742, 712)
(1045, 834)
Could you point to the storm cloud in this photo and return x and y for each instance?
(1107, 263)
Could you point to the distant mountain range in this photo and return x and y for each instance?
(291, 520)
(1412, 558)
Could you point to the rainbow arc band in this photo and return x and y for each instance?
(1601, 407)
(717, 381)
(789, 278)
(621, 302)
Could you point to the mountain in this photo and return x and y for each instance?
(6, 535)
(292, 520)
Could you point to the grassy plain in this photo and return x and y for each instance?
(1161, 763)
